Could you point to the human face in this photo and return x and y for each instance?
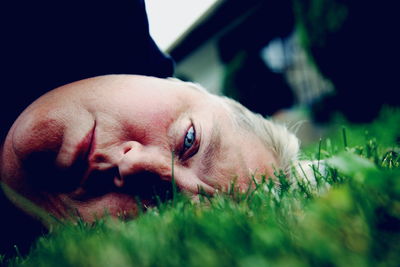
(98, 145)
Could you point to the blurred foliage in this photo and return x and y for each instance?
(350, 216)
(351, 43)
(317, 19)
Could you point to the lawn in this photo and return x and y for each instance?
(349, 217)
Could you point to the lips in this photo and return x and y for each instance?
(86, 146)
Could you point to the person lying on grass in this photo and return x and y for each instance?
(106, 145)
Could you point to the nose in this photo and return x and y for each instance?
(138, 159)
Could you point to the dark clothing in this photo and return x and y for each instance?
(49, 43)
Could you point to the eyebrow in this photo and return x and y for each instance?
(212, 151)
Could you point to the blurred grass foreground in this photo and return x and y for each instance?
(350, 216)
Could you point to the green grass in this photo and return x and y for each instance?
(356, 222)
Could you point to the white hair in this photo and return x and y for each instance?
(276, 137)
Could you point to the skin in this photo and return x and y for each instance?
(97, 145)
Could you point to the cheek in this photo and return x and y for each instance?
(241, 168)
(12, 171)
(146, 124)
(261, 164)
(34, 133)
(233, 170)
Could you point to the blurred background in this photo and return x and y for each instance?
(294, 60)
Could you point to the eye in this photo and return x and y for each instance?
(190, 138)
(190, 144)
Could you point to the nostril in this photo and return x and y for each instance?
(99, 158)
(127, 149)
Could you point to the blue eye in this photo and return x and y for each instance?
(189, 139)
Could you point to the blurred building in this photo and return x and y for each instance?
(249, 51)
(326, 55)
